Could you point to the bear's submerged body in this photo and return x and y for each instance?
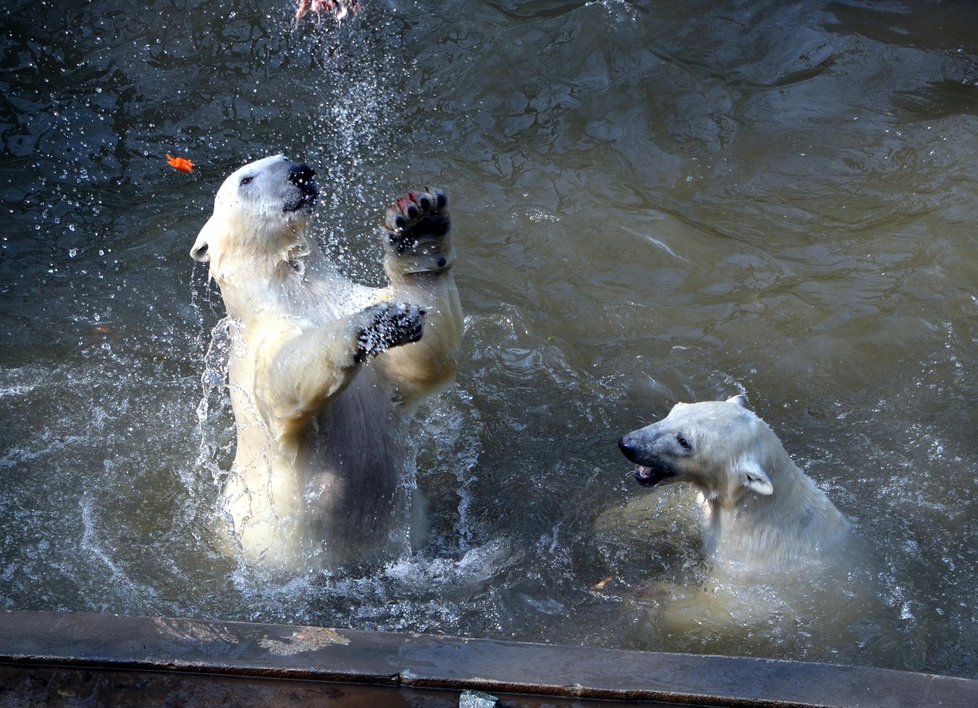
(322, 369)
(328, 493)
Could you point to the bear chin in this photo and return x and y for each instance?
(303, 200)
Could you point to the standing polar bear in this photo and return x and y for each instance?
(762, 512)
(321, 368)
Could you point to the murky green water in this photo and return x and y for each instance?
(654, 201)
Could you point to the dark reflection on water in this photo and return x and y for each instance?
(655, 201)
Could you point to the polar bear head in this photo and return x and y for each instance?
(259, 213)
(720, 447)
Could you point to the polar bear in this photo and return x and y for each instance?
(783, 571)
(761, 510)
(321, 368)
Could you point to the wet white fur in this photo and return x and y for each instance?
(317, 471)
(761, 510)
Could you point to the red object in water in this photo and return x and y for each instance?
(180, 164)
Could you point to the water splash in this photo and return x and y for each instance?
(362, 98)
(215, 403)
(446, 447)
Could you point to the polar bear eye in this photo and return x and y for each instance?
(683, 442)
(245, 181)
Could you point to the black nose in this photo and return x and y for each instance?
(301, 174)
(627, 449)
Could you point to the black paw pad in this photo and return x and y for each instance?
(390, 325)
(419, 214)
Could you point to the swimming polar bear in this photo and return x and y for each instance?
(778, 551)
(321, 368)
(784, 574)
(761, 510)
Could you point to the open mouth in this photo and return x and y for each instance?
(651, 476)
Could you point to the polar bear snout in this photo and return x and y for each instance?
(627, 445)
(651, 468)
(303, 177)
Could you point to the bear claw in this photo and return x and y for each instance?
(416, 216)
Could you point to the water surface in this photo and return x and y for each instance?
(653, 201)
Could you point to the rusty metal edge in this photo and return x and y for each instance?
(241, 649)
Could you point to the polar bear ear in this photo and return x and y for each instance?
(755, 478)
(738, 400)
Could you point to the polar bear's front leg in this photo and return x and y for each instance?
(419, 256)
(304, 373)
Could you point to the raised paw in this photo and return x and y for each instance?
(388, 324)
(416, 230)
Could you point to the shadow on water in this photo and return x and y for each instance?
(653, 203)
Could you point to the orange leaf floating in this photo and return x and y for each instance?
(180, 164)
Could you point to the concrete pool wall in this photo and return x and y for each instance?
(92, 659)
